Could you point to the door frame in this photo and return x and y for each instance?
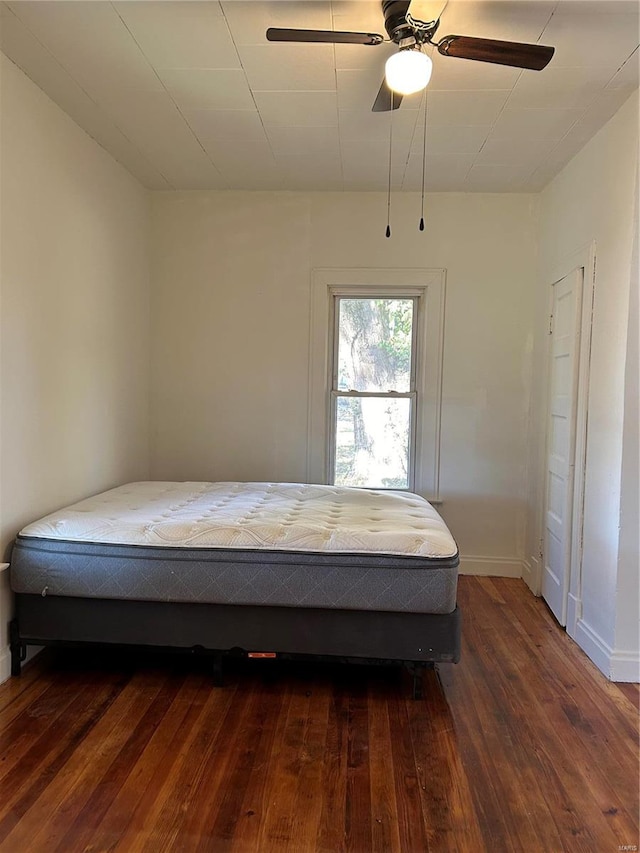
(585, 259)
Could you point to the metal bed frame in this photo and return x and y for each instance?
(417, 640)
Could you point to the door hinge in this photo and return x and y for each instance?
(550, 324)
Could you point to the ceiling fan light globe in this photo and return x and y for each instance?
(408, 71)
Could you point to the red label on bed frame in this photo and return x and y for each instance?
(261, 654)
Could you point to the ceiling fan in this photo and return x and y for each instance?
(409, 70)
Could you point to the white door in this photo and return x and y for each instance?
(561, 441)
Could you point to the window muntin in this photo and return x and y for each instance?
(373, 394)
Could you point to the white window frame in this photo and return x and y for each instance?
(427, 287)
(363, 292)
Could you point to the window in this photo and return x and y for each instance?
(375, 378)
(373, 392)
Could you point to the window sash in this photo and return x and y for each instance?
(373, 294)
(411, 461)
(336, 393)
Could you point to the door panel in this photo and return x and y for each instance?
(561, 441)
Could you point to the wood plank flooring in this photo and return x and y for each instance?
(523, 746)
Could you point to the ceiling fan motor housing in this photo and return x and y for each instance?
(395, 20)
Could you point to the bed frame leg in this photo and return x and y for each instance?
(217, 669)
(417, 668)
(17, 648)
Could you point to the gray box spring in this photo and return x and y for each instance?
(218, 576)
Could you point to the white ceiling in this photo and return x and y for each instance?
(189, 95)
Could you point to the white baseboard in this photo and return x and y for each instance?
(5, 665)
(625, 666)
(574, 612)
(5, 660)
(617, 665)
(531, 574)
(495, 567)
(595, 647)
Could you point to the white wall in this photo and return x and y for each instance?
(74, 311)
(230, 336)
(231, 278)
(628, 582)
(593, 199)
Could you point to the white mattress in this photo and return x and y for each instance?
(271, 516)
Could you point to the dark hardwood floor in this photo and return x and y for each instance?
(523, 746)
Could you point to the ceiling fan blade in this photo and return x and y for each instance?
(386, 99)
(330, 36)
(533, 56)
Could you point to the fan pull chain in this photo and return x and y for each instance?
(388, 231)
(424, 157)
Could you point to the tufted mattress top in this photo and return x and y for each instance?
(272, 516)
